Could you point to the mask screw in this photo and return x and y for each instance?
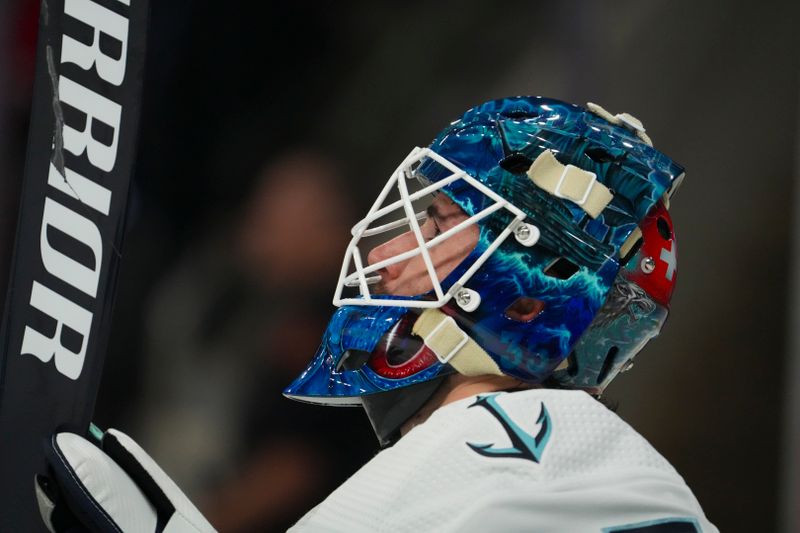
(648, 265)
(468, 300)
(463, 298)
(526, 234)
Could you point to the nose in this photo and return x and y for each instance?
(401, 243)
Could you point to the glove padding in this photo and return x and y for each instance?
(118, 488)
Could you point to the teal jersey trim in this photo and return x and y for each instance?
(663, 525)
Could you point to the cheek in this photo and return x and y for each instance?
(454, 250)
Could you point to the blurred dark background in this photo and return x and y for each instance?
(268, 127)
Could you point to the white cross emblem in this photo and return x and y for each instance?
(668, 256)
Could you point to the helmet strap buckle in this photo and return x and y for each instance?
(446, 339)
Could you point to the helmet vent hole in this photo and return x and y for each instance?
(663, 228)
(608, 364)
(352, 360)
(561, 268)
(599, 155)
(520, 114)
(631, 252)
(516, 163)
(524, 309)
(572, 364)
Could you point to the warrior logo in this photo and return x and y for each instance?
(523, 445)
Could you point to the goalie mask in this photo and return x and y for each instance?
(530, 239)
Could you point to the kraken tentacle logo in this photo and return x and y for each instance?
(523, 445)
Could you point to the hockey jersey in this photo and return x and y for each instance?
(537, 460)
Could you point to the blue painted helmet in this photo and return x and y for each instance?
(561, 211)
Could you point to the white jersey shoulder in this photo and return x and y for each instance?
(543, 460)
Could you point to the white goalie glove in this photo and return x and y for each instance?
(111, 485)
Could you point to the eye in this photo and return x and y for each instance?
(430, 229)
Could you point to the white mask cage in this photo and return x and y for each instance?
(355, 273)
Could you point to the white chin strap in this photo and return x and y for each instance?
(452, 345)
(355, 273)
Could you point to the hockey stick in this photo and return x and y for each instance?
(81, 145)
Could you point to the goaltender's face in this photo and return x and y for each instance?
(410, 277)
